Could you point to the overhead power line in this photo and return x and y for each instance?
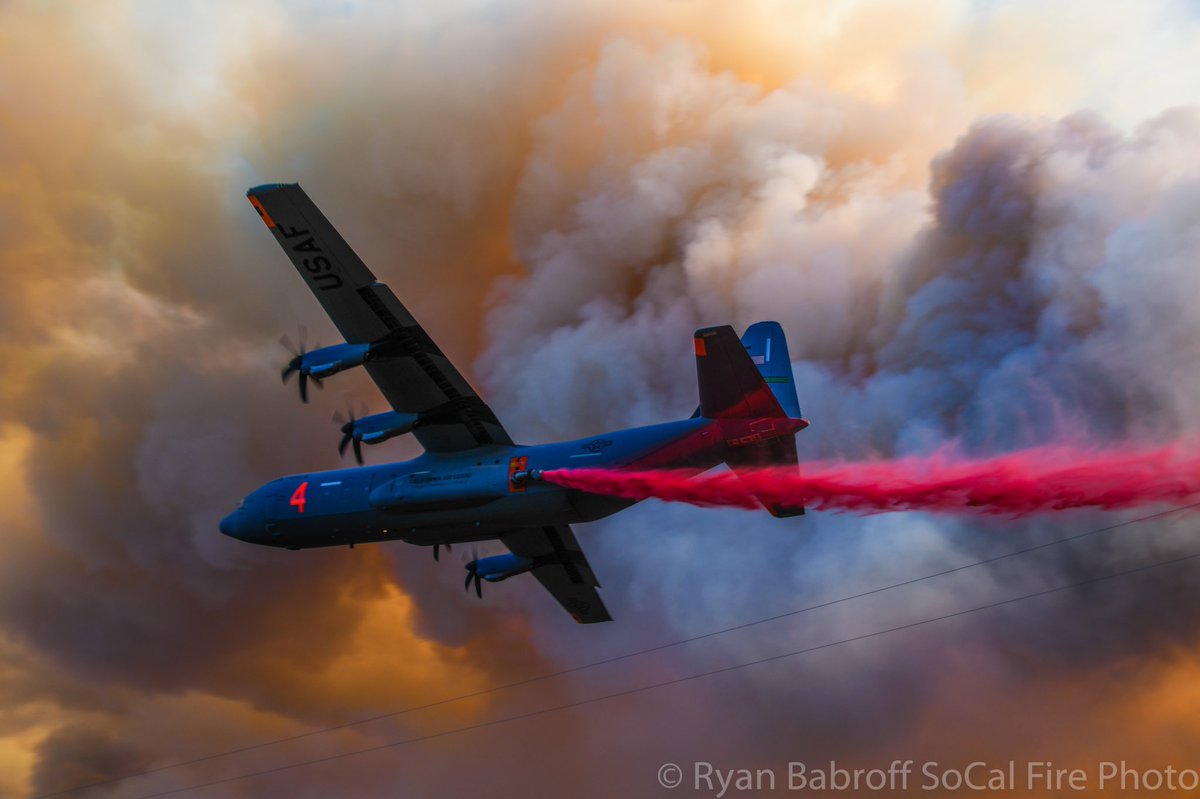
(674, 681)
(625, 656)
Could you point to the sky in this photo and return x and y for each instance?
(977, 222)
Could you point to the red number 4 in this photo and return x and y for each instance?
(298, 497)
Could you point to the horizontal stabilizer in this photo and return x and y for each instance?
(774, 453)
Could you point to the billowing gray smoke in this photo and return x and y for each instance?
(1041, 290)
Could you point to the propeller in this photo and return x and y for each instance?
(437, 546)
(473, 574)
(296, 364)
(348, 437)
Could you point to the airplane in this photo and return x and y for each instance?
(472, 483)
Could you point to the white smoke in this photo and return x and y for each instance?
(1037, 288)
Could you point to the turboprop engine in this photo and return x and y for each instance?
(373, 429)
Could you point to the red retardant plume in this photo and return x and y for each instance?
(1029, 481)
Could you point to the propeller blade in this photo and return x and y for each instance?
(346, 422)
(297, 361)
(473, 573)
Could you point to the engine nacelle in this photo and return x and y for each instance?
(330, 360)
(380, 426)
(501, 567)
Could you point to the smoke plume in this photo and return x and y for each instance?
(977, 223)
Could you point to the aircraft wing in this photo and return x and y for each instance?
(414, 375)
(564, 571)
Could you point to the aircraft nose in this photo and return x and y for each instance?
(234, 525)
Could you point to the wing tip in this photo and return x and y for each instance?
(263, 188)
(587, 613)
(593, 619)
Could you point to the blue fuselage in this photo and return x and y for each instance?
(471, 496)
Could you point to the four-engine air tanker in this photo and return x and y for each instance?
(473, 483)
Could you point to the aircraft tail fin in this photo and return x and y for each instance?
(751, 378)
(731, 386)
(768, 349)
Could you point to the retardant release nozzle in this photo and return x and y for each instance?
(522, 477)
